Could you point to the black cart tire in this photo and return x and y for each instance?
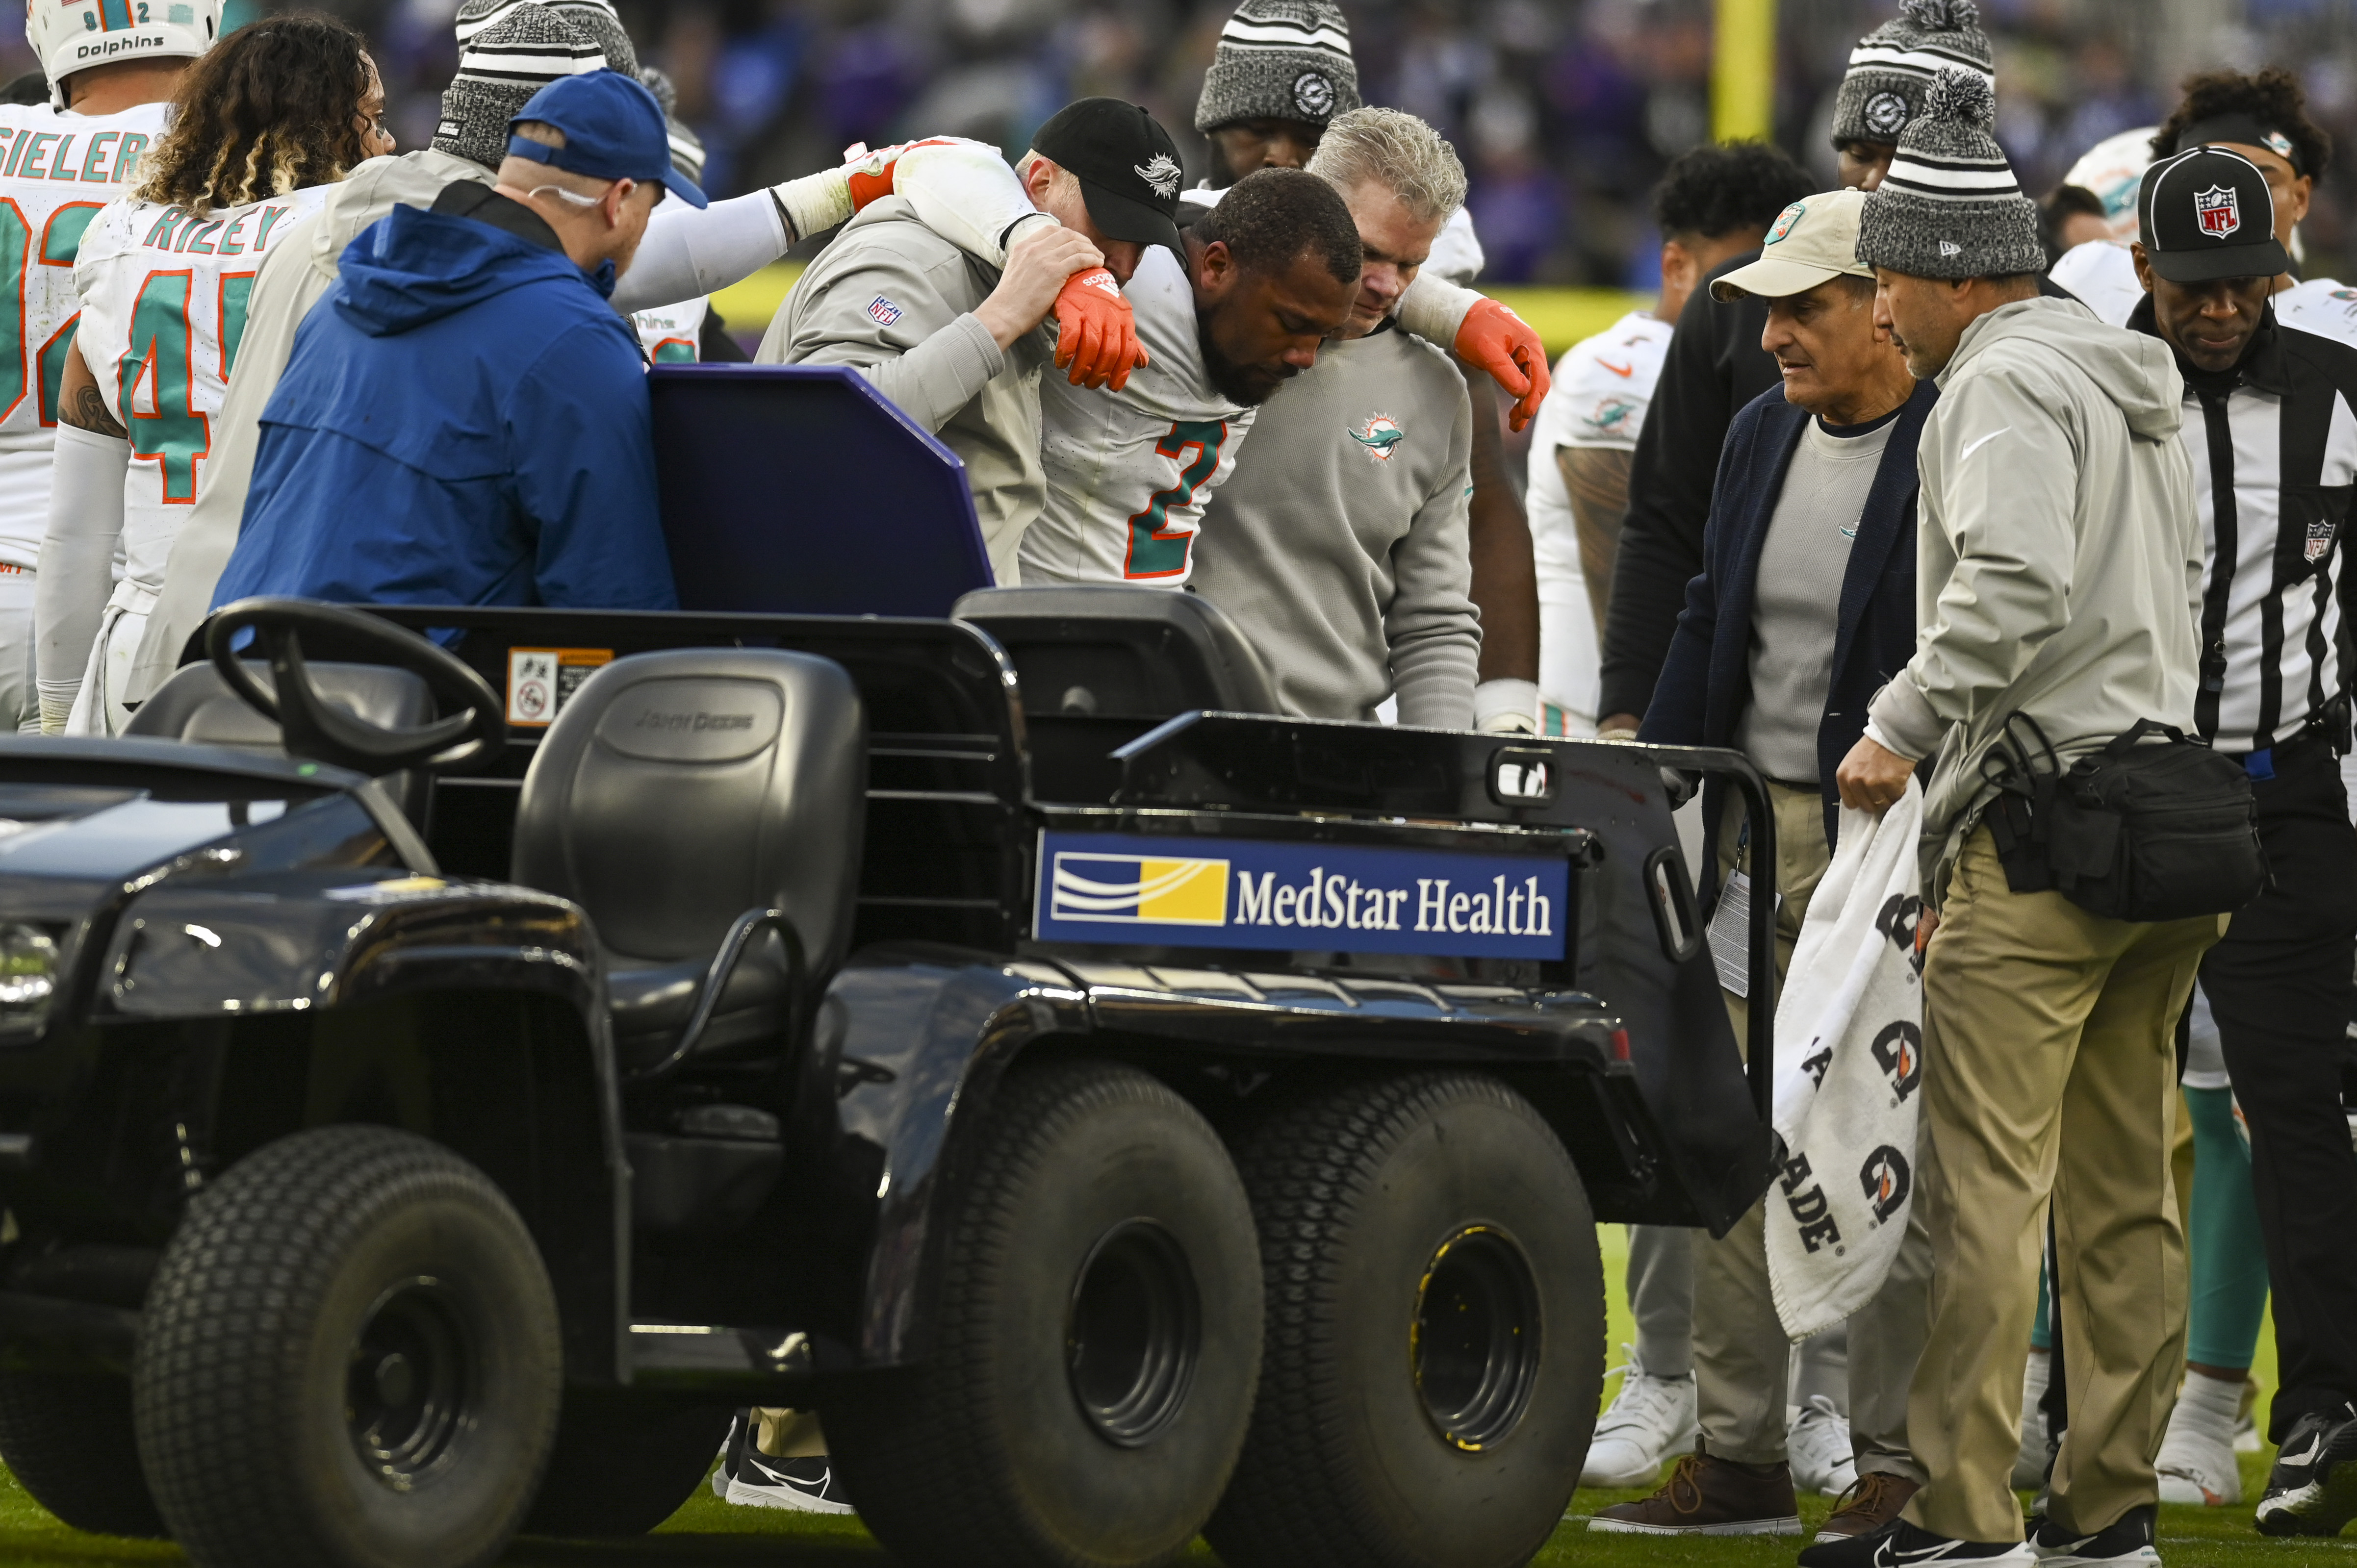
(66, 1438)
(350, 1359)
(622, 1466)
(1436, 1332)
(1096, 1345)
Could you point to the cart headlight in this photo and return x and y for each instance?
(28, 968)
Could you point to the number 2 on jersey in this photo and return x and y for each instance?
(1154, 553)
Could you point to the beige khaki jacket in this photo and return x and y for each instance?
(2057, 555)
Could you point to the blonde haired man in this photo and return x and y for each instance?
(1339, 544)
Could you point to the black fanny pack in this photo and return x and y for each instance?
(2142, 829)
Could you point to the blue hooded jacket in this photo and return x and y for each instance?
(463, 421)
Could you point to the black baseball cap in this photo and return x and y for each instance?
(2206, 214)
(1127, 164)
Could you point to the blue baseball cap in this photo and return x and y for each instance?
(613, 130)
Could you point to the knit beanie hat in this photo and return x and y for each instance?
(592, 19)
(499, 68)
(1280, 59)
(1950, 207)
(686, 146)
(1892, 66)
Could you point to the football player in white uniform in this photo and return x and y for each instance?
(268, 120)
(110, 65)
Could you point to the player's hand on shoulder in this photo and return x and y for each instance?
(1096, 331)
(1038, 264)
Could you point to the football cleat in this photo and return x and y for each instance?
(2313, 1490)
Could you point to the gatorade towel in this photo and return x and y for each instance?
(1849, 1075)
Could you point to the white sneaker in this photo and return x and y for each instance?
(2029, 1464)
(1818, 1447)
(1648, 1419)
(2197, 1461)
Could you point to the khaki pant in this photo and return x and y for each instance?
(788, 1433)
(2050, 1067)
(1742, 1358)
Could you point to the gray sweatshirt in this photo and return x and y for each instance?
(2057, 555)
(1338, 544)
(894, 298)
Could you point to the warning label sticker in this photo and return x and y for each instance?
(541, 681)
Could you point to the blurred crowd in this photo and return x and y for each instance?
(1568, 110)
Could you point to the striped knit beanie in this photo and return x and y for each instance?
(1280, 59)
(1950, 207)
(1892, 66)
(499, 68)
(592, 19)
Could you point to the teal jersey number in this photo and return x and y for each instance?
(236, 292)
(16, 252)
(1153, 553)
(174, 435)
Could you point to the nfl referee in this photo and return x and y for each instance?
(2271, 427)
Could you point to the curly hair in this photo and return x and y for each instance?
(1716, 189)
(2273, 97)
(273, 107)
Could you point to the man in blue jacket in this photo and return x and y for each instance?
(468, 424)
(1804, 606)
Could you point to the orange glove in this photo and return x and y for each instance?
(1096, 334)
(1500, 342)
(871, 173)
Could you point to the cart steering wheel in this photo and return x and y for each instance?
(474, 730)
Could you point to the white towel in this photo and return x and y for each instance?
(1849, 1075)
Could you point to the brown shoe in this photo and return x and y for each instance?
(1870, 1502)
(1707, 1495)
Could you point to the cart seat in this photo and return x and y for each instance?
(197, 705)
(677, 792)
(1120, 652)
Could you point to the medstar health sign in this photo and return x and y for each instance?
(1249, 893)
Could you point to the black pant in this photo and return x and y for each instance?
(2279, 987)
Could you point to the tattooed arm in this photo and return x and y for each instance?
(81, 404)
(1596, 481)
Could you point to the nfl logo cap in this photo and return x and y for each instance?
(1811, 242)
(613, 130)
(2206, 214)
(1127, 164)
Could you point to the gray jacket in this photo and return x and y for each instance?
(2057, 556)
(1338, 543)
(892, 297)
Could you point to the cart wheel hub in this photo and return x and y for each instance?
(1474, 1342)
(1134, 1334)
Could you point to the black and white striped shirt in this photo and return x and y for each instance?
(2274, 447)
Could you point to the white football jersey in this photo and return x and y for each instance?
(56, 170)
(164, 294)
(1128, 471)
(1601, 390)
(673, 334)
(2102, 276)
(2326, 306)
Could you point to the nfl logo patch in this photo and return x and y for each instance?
(883, 310)
(2319, 540)
(2219, 211)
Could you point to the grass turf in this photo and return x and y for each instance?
(707, 1531)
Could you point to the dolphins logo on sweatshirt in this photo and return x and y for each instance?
(1379, 436)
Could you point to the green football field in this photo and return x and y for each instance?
(707, 1531)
